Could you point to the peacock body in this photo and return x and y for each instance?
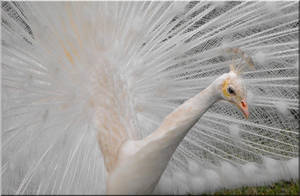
(73, 69)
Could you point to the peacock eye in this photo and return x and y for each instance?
(231, 91)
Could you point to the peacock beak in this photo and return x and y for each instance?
(244, 108)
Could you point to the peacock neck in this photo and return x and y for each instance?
(176, 125)
(161, 144)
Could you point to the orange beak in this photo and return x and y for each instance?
(244, 108)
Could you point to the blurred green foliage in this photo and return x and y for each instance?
(279, 188)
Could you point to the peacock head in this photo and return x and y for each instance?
(231, 85)
(232, 89)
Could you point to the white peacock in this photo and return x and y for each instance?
(134, 78)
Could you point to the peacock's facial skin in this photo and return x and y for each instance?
(234, 91)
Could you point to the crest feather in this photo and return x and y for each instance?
(239, 67)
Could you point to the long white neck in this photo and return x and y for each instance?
(141, 163)
(176, 125)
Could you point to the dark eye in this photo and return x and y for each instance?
(231, 91)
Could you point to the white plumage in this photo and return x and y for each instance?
(77, 73)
